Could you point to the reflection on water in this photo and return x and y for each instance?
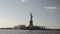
(28, 32)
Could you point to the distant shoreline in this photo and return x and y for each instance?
(30, 30)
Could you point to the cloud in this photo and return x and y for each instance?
(23, 1)
(51, 8)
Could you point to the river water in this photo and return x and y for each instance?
(28, 32)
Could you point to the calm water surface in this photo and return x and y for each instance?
(28, 32)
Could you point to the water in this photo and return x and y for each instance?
(28, 32)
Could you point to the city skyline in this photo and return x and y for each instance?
(16, 12)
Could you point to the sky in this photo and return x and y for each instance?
(17, 12)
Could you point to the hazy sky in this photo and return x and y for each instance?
(15, 12)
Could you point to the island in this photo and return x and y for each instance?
(29, 27)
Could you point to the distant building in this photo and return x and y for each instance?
(19, 27)
(22, 26)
